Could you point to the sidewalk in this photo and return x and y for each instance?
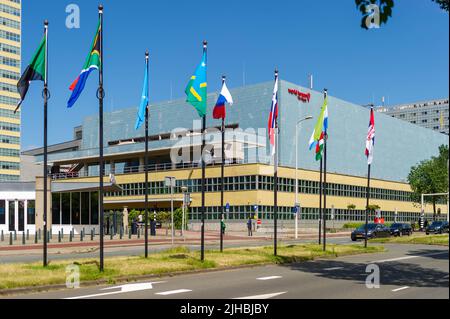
(161, 239)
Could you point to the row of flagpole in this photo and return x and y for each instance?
(196, 92)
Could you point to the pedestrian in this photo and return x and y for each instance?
(250, 227)
(223, 227)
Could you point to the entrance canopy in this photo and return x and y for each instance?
(72, 187)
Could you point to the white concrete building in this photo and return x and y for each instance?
(17, 207)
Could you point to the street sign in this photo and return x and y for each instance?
(170, 181)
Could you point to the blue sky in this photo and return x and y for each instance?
(405, 60)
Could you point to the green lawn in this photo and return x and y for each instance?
(416, 239)
(174, 260)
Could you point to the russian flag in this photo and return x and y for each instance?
(224, 97)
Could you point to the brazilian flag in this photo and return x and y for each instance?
(34, 72)
(196, 90)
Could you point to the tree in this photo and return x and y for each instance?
(351, 206)
(430, 177)
(444, 4)
(373, 208)
(385, 8)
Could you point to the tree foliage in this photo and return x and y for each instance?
(385, 7)
(444, 4)
(430, 177)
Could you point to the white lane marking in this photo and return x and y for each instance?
(269, 278)
(265, 296)
(123, 289)
(408, 257)
(173, 292)
(398, 289)
(333, 268)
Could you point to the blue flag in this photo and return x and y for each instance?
(144, 101)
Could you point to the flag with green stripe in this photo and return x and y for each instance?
(34, 72)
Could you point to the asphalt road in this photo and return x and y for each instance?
(406, 271)
(77, 253)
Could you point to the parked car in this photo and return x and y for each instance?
(400, 229)
(373, 231)
(437, 227)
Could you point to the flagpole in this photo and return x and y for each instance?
(222, 177)
(46, 95)
(202, 248)
(320, 199)
(325, 94)
(367, 204)
(275, 186)
(146, 160)
(100, 96)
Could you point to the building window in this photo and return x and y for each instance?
(85, 207)
(75, 207)
(56, 209)
(65, 208)
(94, 208)
(2, 212)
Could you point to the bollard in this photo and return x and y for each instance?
(48, 236)
(129, 234)
(2, 236)
(59, 236)
(81, 235)
(62, 233)
(39, 234)
(111, 235)
(70, 236)
(23, 238)
(10, 239)
(121, 233)
(35, 237)
(15, 235)
(139, 233)
(28, 234)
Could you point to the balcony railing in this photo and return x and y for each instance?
(141, 169)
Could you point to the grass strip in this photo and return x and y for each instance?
(440, 240)
(173, 260)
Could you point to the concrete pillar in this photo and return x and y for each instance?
(125, 217)
(40, 203)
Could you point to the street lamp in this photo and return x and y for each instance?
(297, 205)
(184, 190)
(171, 182)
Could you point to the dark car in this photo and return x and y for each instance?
(373, 231)
(400, 229)
(437, 227)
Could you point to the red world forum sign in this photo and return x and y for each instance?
(304, 97)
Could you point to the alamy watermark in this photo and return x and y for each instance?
(73, 276)
(373, 279)
(73, 17)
